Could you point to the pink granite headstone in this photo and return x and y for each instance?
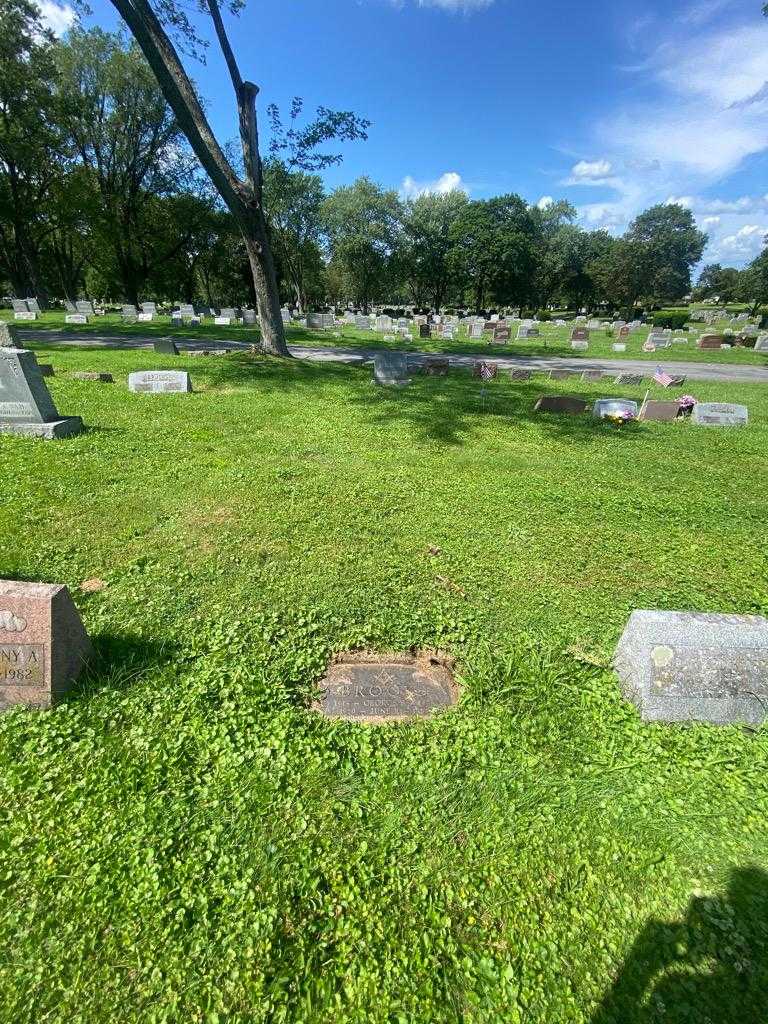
(43, 643)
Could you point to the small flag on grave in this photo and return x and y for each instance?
(486, 371)
(662, 377)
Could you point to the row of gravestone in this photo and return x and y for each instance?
(391, 369)
(674, 666)
(26, 405)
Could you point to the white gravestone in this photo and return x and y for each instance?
(720, 414)
(159, 381)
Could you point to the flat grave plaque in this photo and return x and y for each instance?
(560, 374)
(520, 375)
(660, 412)
(592, 375)
(435, 367)
(561, 404)
(93, 375)
(632, 379)
(694, 666)
(396, 688)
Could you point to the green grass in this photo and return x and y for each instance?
(554, 341)
(183, 841)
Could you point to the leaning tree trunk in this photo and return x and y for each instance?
(264, 284)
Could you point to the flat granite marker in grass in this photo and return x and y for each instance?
(693, 666)
(562, 404)
(159, 381)
(26, 406)
(660, 412)
(720, 414)
(43, 644)
(390, 688)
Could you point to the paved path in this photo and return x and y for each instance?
(693, 371)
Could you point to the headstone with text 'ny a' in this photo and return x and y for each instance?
(693, 666)
(43, 644)
(26, 406)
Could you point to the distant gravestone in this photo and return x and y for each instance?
(761, 345)
(165, 347)
(608, 407)
(560, 374)
(525, 331)
(391, 369)
(659, 412)
(26, 406)
(579, 334)
(720, 414)
(43, 645)
(476, 331)
(561, 404)
(501, 334)
(424, 330)
(630, 379)
(623, 332)
(76, 318)
(25, 315)
(222, 321)
(360, 689)
(159, 381)
(592, 375)
(93, 375)
(580, 346)
(619, 347)
(145, 318)
(520, 375)
(710, 341)
(694, 666)
(435, 367)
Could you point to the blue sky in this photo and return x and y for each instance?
(611, 105)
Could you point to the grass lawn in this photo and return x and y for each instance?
(183, 841)
(554, 341)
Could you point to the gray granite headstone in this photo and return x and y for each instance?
(26, 406)
(165, 347)
(720, 414)
(694, 666)
(632, 379)
(391, 369)
(761, 345)
(159, 381)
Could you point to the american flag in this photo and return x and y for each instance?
(662, 377)
(486, 371)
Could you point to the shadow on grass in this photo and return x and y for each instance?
(442, 409)
(709, 968)
(118, 661)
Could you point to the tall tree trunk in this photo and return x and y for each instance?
(243, 198)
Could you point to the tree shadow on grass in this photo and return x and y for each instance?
(443, 409)
(709, 968)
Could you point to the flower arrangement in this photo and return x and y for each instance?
(685, 405)
(618, 419)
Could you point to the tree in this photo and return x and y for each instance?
(244, 197)
(427, 260)
(294, 202)
(32, 148)
(671, 245)
(494, 249)
(131, 146)
(362, 222)
(754, 280)
(725, 283)
(555, 247)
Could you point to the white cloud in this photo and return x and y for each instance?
(457, 6)
(545, 202)
(589, 170)
(58, 18)
(448, 182)
(708, 113)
